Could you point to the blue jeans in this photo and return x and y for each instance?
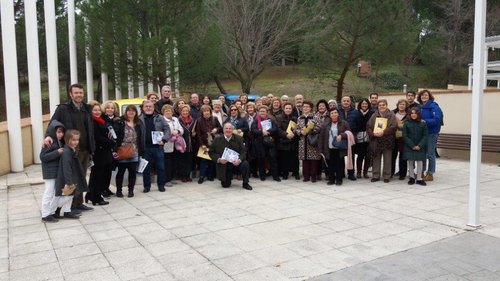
(431, 153)
(155, 157)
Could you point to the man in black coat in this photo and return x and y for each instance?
(226, 168)
(76, 115)
(166, 93)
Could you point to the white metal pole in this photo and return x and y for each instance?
(104, 84)
(52, 64)
(477, 105)
(35, 87)
(72, 42)
(11, 85)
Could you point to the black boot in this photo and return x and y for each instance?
(119, 192)
(130, 192)
(57, 214)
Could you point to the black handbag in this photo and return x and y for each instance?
(313, 139)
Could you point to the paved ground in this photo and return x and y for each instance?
(285, 231)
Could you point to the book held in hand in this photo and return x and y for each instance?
(230, 155)
(380, 125)
(156, 137)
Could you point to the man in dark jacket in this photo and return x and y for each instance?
(154, 124)
(166, 93)
(348, 113)
(195, 106)
(226, 166)
(76, 115)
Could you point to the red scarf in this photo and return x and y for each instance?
(99, 120)
(186, 120)
(259, 126)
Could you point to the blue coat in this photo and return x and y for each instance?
(353, 118)
(433, 116)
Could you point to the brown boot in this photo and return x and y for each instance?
(428, 177)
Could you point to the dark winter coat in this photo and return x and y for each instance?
(258, 150)
(160, 124)
(283, 142)
(50, 156)
(353, 117)
(386, 141)
(324, 137)
(119, 127)
(104, 145)
(70, 172)
(204, 127)
(414, 133)
(239, 123)
(217, 149)
(433, 116)
(66, 114)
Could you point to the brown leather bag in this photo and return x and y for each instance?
(125, 151)
(68, 189)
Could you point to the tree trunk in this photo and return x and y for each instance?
(219, 85)
(340, 81)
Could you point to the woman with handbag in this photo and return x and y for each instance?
(381, 128)
(185, 160)
(401, 113)
(333, 146)
(173, 145)
(100, 173)
(308, 129)
(362, 139)
(130, 146)
(206, 129)
(264, 131)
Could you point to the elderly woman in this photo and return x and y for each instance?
(332, 139)
(288, 144)
(100, 174)
(264, 131)
(129, 132)
(178, 105)
(332, 104)
(239, 123)
(275, 108)
(169, 148)
(185, 160)
(217, 111)
(207, 127)
(307, 124)
(433, 117)
(321, 115)
(401, 114)
(381, 128)
(250, 116)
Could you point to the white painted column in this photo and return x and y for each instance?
(477, 106)
(105, 86)
(11, 85)
(469, 82)
(52, 64)
(141, 89)
(89, 72)
(35, 87)
(72, 42)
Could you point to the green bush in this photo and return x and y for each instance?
(391, 80)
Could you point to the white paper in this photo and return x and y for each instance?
(230, 155)
(142, 165)
(266, 124)
(156, 137)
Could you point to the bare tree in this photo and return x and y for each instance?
(256, 33)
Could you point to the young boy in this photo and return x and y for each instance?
(50, 164)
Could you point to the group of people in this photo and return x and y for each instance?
(211, 138)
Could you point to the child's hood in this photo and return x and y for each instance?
(51, 130)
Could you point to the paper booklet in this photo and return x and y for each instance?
(310, 126)
(156, 137)
(239, 133)
(291, 126)
(230, 155)
(142, 165)
(380, 125)
(203, 153)
(266, 124)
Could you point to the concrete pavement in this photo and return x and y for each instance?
(278, 231)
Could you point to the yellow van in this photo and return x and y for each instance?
(123, 103)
